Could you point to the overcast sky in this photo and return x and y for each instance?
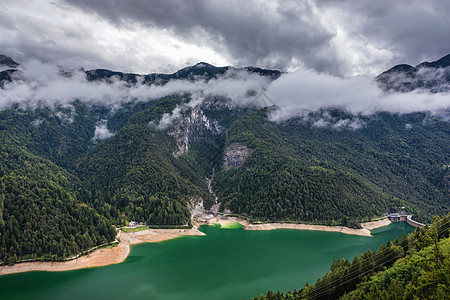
(360, 37)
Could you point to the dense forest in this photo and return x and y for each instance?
(41, 216)
(300, 172)
(136, 171)
(416, 266)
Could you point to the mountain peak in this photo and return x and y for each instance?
(7, 61)
(406, 78)
(202, 65)
(441, 63)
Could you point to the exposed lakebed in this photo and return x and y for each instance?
(227, 263)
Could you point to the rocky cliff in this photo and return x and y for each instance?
(235, 156)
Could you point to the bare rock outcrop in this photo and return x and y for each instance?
(236, 155)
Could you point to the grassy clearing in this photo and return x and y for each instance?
(135, 229)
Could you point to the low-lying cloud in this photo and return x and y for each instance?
(308, 91)
(101, 131)
(294, 94)
(38, 84)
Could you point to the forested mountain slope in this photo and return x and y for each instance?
(136, 171)
(300, 172)
(41, 215)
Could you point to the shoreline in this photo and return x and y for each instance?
(365, 231)
(104, 256)
(114, 255)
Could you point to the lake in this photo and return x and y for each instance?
(224, 264)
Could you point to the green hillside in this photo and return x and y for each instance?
(136, 171)
(41, 216)
(303, 173)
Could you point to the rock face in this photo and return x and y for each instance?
(235, 156)
(190, 127)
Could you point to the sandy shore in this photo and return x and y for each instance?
(376, 224)
(365, 231)
(104, 256)
(342, 229)
(118, 254)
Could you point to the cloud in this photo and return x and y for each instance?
(38, 84)
(334, 37)
(36, 122)
(295, 94)
(168, 118)
(101, 131)
(307, 91)
(55, 32)
(274, 34)
(409, 32)
(350, 124)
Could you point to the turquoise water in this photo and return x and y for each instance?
(224, 264)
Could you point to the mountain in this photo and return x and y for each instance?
(299, 172)
(69, 172)
(6, 61)
(41, 214)
(444, 62)
(431, 76)
(7, 68)
(198, 71)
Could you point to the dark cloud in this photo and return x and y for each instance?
(42, 84)
(28, 34)
(270, 34)
(282, 34)
(336, 37)
(413, 30)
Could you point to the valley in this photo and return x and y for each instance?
(186, 156)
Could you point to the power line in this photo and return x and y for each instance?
(382, 253)
(365, 260)
(264, 98)
(346, 277)
(322, 292)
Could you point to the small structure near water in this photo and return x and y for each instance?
(403, 216)
(397, 217)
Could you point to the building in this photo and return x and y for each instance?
(397, 217)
